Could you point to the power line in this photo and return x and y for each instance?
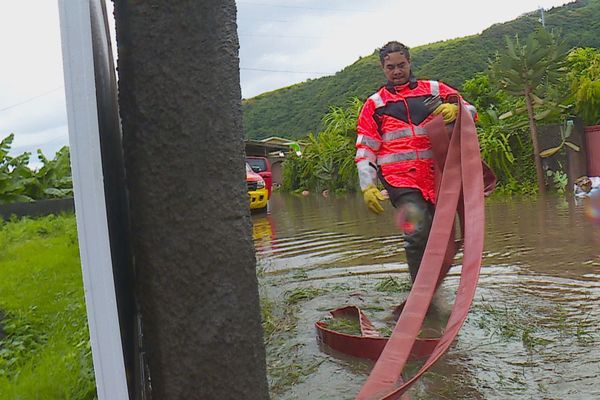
(284, 21)
(243, 69)
(31, 99)
(304, 8)
(286, 72)
(281, 36)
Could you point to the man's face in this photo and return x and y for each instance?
(396, 68)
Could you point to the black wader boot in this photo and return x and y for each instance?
(418, 217)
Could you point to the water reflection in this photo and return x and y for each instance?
(264, 233)
(532, 332)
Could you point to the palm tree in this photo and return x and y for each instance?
(525, 67)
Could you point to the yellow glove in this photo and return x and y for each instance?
(448, 111)
(372, 197)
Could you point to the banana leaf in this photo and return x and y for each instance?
(573, 146)
(550, 152)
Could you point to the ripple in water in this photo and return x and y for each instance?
(532, 331)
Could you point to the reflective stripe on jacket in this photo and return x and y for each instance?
(391, 135)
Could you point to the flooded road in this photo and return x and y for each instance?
(532, 332)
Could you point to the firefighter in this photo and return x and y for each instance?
(393, 146)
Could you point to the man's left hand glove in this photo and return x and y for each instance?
(372, 197)
(449, 112)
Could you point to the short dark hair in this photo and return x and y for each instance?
(393, 47)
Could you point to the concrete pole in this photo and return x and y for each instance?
(180, 103)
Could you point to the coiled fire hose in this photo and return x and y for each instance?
(460, 188)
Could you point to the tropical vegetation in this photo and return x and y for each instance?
(327, 161)
(504, 145)
(294, 111)
(518, 75)
(528, 83)
(20, 183)
(521, 70)
(584, 80)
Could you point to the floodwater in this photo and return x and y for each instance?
(532, 332)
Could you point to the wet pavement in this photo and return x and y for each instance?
(532, 332)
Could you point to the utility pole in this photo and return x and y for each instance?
(195, 267)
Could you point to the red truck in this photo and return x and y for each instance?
(261, 166)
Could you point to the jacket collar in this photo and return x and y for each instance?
(394, 89)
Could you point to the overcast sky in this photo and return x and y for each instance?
(282, 42)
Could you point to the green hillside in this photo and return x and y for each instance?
(296, 110)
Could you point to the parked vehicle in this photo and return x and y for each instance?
(259, 194)
(262, 166)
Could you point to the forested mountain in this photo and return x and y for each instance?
(296, 110)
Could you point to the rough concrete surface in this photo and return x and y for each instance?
(180, 104)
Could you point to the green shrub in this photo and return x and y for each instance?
(327, 161)
(20, 183)
(584, 77)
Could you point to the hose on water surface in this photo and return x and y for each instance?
(460, 188)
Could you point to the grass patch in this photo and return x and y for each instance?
(393, 285)
(286, 367)
(510, 323)
(581, 327)
(349, 326)
(302, 294)
(385, 331)
(372, 308)
(339, 287)
(45, 353)
(286, 364)
(276, 320)
(300, 274)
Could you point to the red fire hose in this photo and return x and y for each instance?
(460, 188)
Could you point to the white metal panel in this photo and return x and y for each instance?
(90, 206)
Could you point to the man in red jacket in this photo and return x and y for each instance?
(393, 146)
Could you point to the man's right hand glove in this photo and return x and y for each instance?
(448, 111)
(372, 197)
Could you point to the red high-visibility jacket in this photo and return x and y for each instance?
(391, 135)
